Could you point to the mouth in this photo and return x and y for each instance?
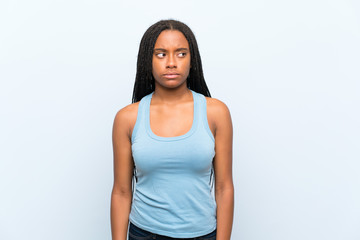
(171, 75)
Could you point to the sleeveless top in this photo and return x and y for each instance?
(172, 195)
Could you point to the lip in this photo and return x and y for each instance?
(171, 75)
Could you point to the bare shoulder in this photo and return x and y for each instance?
(125, 118)
(218, 112)
(216, 105)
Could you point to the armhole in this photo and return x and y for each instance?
(205, 120)
(137, 123)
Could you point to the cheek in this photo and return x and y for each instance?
(155, 68)
(188, 66)
(189, 63)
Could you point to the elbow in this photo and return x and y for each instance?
(224, 187)
(123, 192)
(224, 190)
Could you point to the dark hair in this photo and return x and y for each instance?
(144, 81)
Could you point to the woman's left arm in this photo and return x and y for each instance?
(224, 188)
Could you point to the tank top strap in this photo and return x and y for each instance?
(203, 115)
(140, 119)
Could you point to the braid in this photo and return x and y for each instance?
(144, 80)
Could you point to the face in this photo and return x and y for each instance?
(171, 59)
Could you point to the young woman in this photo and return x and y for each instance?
(170, 141)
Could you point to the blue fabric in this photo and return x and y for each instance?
(173, 192)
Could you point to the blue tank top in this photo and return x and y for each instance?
(173, 196)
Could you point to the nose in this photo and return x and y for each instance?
(171, 61)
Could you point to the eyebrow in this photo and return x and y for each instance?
(164, 50)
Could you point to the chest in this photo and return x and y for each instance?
(167, 121)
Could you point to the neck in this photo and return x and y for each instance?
(171, 96)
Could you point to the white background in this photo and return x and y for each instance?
(287, 70)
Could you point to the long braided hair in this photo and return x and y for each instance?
(144, 80)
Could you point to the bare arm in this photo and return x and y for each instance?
(121, 195)
(224, 189)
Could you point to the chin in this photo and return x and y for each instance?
(172, 84)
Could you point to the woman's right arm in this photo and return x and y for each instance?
(121, 195)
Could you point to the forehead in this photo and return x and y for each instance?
(171, 39)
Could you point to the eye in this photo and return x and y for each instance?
(160, 55)
(182, 54)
